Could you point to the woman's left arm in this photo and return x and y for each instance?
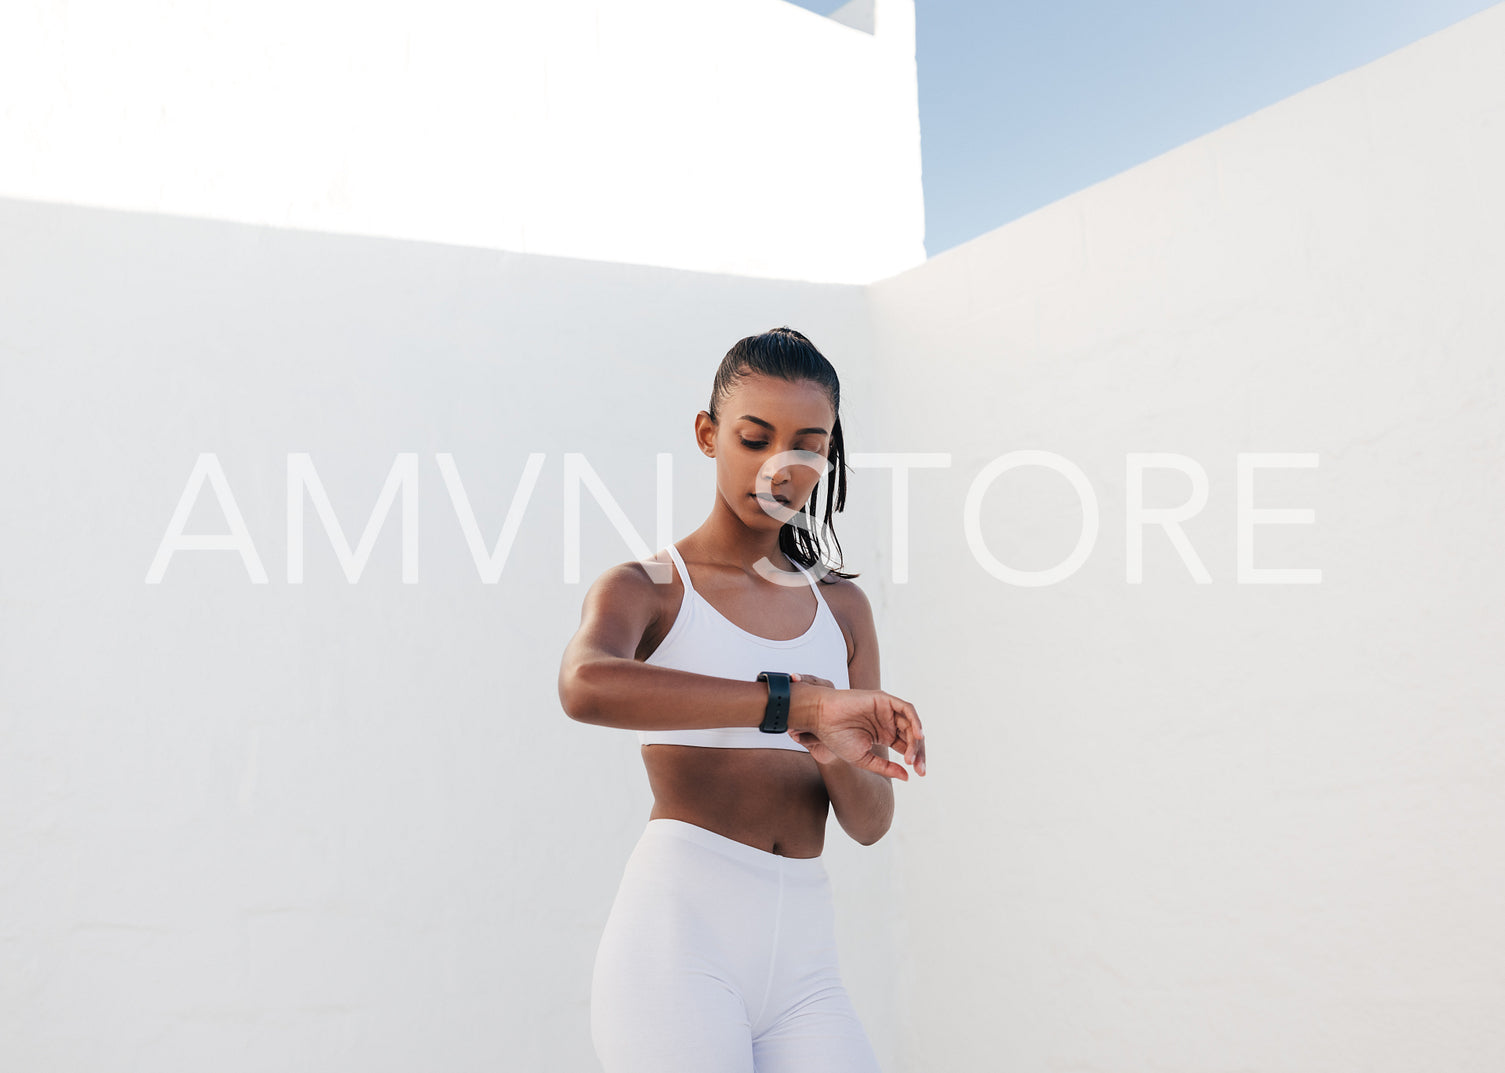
(863, 800)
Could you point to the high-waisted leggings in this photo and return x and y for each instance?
(719, 957)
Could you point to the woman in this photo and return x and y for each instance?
(719, 954)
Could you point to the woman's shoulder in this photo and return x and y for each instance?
(644, 583)
(849, 607)
(843, 592)
(656, 570)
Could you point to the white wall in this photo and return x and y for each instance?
(345, 826)
(1227, 826)
(742, 136)
(328, 825)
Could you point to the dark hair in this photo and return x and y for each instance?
(784, 353)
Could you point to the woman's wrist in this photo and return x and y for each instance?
(805, 706)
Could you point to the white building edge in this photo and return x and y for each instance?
(741, 136)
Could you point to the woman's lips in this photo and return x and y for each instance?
(770, 499)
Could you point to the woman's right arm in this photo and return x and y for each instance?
(601, 683)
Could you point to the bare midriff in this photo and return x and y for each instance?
(772, 799)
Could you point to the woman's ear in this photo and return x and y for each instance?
(705, 434)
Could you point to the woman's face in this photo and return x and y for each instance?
(773, 439)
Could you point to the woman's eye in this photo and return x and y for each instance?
(760, 443)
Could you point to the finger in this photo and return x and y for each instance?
(886, 768)
(900, 739)
(919, 730)
(915, 733)
(905, 738)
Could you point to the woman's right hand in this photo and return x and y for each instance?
(849, 721)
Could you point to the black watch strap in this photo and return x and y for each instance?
(776, 715)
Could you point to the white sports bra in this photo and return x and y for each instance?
(704, 641)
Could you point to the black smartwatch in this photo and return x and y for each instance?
(776, 715)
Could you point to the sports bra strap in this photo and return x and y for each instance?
(814, 583)
(684, 574)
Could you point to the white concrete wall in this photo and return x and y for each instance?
(741, 136)
(345, 826)
(1222, 826)
(334, 826)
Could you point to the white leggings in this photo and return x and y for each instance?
(719, 957)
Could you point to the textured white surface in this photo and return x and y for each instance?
(742, 136)
(1219, 827)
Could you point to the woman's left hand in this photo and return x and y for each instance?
(818, 749)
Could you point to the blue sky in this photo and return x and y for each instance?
(1023, 103)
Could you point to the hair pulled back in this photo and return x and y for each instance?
(786, 354)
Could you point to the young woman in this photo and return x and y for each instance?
(719, 954)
